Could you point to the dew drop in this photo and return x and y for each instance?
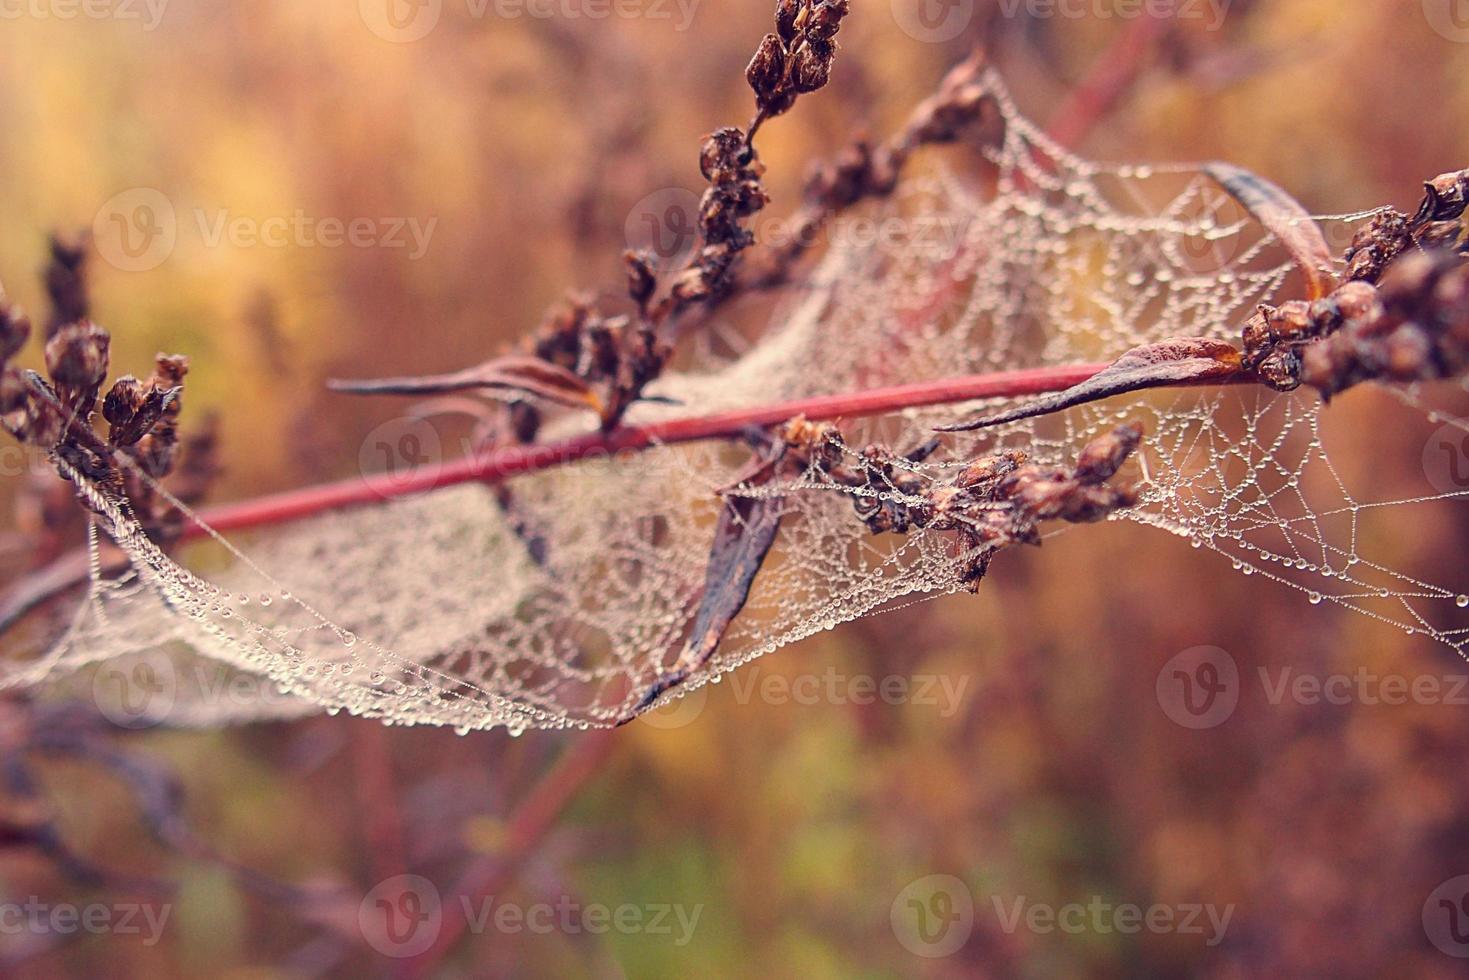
(1462, 601)
(1314, 598)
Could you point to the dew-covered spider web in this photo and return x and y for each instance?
(565, 603)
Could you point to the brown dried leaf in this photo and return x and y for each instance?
(518, 373)
(1171, 362)
(1283, 217)
(744, 536)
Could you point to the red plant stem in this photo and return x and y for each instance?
(1113, 74)
(536, 815)
(517, 460)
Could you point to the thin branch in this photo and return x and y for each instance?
(70, 570)
(535, 817)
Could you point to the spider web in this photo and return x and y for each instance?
(566, 608)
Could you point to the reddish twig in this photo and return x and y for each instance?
(532, 820)
(70, 570)
(1109, 80)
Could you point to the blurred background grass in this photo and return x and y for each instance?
(796, 827)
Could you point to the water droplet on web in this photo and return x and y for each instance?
(1314, 598)
(1462, 601)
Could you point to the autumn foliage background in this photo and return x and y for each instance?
(531, 143)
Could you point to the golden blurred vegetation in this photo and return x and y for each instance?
(796, 827)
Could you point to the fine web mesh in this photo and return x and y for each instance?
(435, 610)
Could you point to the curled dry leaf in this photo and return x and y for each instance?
(1283, 217)
(1172, 362)
(516, 373)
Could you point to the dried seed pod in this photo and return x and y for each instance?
(15, 330)
(1445, 198)
(787, 13)
(76, 357)
(826, 19)
(66, 284)
(642, 279)
(1103, 457)
(123, 401)
(811, 69)
(767, 69)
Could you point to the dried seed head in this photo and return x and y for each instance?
(1357, 300)
(786, 14)
(76, 357)
(826, 19)
(812, 67)
(123, 401)
(767, 69)
(15, 330)
(642, 279)
(1281, 370)
(1445, 198)
(724, 150)
(66, 283)
(1103, 457)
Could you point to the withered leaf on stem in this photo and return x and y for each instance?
(745, 533)
(1171, 362)
(514, 373)
(1283, 217)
